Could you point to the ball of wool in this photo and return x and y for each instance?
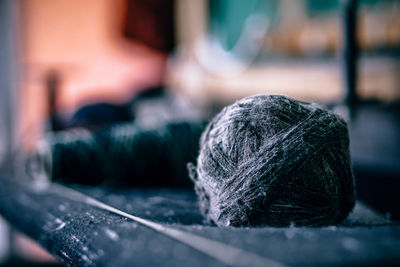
(272, 160)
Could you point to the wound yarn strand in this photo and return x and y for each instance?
(272, 160)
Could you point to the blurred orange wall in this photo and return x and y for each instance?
(83, 42)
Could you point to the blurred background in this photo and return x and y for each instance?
(67, 63)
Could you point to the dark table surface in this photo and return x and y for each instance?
(80, 234)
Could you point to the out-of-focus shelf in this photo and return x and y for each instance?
(308, 79)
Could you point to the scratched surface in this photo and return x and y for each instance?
(81, 235)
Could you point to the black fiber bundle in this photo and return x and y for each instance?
(123, 154)
(272, 160)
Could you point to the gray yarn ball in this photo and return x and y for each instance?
(272, 160)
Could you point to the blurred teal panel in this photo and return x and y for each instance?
(227, 17)
(315, 7)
